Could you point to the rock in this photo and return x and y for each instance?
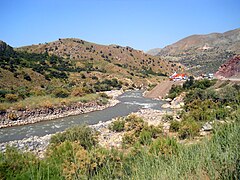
(166, 105)
(175, 106)
(207, 127)
(168, 99)
(203, 133)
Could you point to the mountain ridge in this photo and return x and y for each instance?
(203, 53)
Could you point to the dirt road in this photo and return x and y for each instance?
(162, 89)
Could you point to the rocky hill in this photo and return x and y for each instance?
(229, 69)
(132, 60)
(203, 53)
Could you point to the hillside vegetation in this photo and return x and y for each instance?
(147, 153)
(71, 68)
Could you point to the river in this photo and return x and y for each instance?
(130, 101)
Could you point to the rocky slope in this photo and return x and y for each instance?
(203, 53)
(229, 69)
(126, 57)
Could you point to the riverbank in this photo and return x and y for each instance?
(45, 114)
(106, 138)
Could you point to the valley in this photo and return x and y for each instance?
(93, 111)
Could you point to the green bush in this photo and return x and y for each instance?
(164, 145)
(145, 137)
(189, 129)
(118, 125)
(104, 95)
(175, 126)
(84, 134)
(15, 164)
(61, 93)
(167, 117)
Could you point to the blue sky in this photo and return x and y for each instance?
(141, 24)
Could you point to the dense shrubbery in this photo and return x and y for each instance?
(190, 84)
(117, 125)
(136, 130)
(107, 85)
(82, 134)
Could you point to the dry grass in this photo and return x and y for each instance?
(47, 101)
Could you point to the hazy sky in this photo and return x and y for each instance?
(141, 24)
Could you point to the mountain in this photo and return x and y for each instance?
(154, 52)
(203, 53)
(230, 69)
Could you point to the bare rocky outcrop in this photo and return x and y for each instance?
(230, 68)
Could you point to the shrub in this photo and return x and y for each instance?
(166, 146)
(104, 95)
(167, 117)
(134, 122)
(84, 134)
(188, 129)
(145, 137)
(27, 77)
(61, 93)
(11, 97)
(78, 91)
(129, 138)
(117, 125)
(14, 164)
(175, 126)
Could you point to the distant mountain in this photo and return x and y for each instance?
(154, 52)
(203, 53)
(229, 69)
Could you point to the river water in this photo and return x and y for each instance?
(130, 101)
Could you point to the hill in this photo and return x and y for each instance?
(134, 61)
(70, 68)
(203, 53)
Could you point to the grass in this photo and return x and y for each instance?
(217, 158)
(35, 102)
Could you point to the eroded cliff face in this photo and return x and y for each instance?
(229, 69)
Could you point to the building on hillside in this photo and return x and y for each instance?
(178, 77)
(207, 76)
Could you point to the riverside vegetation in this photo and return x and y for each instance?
(146, 152)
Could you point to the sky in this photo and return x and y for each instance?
(141, 24)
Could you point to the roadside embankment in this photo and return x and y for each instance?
(162, 89)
